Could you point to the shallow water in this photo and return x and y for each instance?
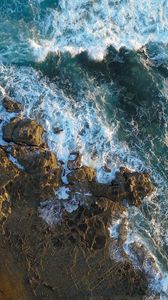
(98, 70)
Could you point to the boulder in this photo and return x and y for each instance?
(10, 105)
(23, 131)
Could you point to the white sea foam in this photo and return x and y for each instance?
(94, 25)
(142, 249)
(84, 127)
(63, 193)
(50, 211)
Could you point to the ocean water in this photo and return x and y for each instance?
(99, 71)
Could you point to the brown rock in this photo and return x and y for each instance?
(137, 184)
(82, 174)
(128, 185)
(8, 171)
(42, 173)
(10, 105)
(57, 130)
(23, 131)
(75, 163)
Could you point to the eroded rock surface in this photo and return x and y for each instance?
(10, 105)
(42, 173)
(8, 171)
(128, 186)
(70, 260)
(23, 131)
(83, 174)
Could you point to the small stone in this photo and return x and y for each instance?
(57, 130)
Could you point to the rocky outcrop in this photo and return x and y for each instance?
(128, 187)
(41, 175)
(23, 131)
(10, 105)
(70, 260)
(83, 174)
(74, 164)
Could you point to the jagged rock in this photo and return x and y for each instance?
(71, 260)
(137, 184)
(75, 163)
(10, 105)
(82, 174)
(57, 130)
(23, 131)
(90, 222)
(128, 185)
(42, 173)
(35, 159)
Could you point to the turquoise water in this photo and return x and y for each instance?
(99, 70)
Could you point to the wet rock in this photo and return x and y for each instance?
(23, 131)
(35, 159)
(10, 105)
(89, 224)
(82, 174)
(75, 163)
(57, 130)
(70, 260)
(128, 186)
(42, 173)
(137, 184)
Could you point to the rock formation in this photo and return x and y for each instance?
(70, 260)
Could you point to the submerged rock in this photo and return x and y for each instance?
(23, 131)
(10, 105)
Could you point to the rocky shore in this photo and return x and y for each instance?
(48, 250)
